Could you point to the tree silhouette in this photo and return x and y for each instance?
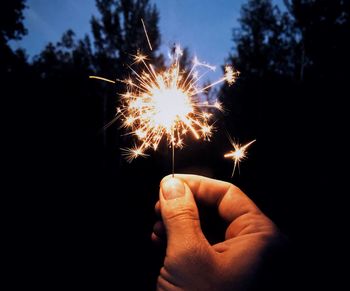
(264, 56)
(11, 23)
(67, 57)
(296, 49)
(293, 70)
(323, 26)
(118, 33)
(264, 40)
(11, 28)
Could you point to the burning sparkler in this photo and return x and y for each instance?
(166, 104)
(239, 153)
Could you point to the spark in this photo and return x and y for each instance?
(231, 75)
(238, 154)
(102, 79)
(132, 153)
(145, 30)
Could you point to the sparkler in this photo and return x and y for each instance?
(166, 104)
(239, 153)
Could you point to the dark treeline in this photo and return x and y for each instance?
(293, 65)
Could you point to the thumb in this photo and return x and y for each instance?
(180, 214)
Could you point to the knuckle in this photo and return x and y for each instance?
(183, 214)
(270, 234)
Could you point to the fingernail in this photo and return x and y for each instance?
(173, 188)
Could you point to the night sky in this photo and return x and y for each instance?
(204, 26)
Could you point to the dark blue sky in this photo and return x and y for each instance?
(204, 26)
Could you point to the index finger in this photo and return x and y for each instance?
(229, 199)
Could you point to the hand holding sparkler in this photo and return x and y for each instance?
(191, 262)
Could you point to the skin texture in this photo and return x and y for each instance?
(191, 263)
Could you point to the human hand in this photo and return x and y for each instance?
(191, 263)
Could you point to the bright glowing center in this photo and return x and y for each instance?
(171, 105)
(239, 154)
